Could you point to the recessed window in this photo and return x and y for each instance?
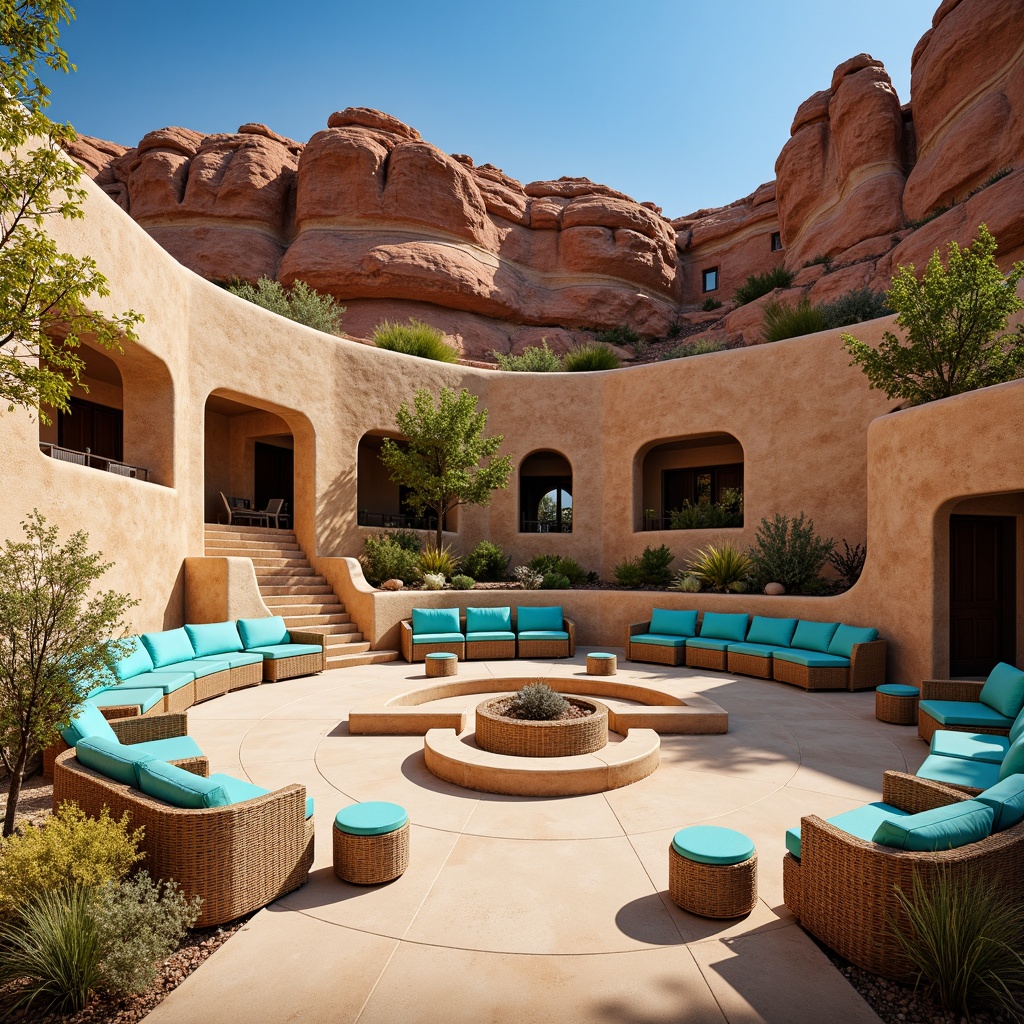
(711, 279)
(776, 241)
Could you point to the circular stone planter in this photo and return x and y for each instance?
(520, 737)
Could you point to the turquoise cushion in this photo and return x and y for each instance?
(814, 636)
(209, 666)
(99, 680)
(711, 844)
(1006, 798)
(263, 632)
(755, 650)
(440, 656)
(437, 638)
(544, 634)
(1013, 763)
(180, 788)
(1004, 690)
(847, 636)
(484, 637)
(88, 721)
(958, 771)
(435, 620)
(658, 639)
(144, 698)
(214, 638)
(488, 620)
(172, 748)
(136, 661)
(673, 623)
(278, 651)
(373, 818)
(898, 690)
(234, 659)
(112, 759)
(546, 618)
(168, 647)
(942, 828)
(718, 626)
(597, 654)
(860, 822)
(765, 630)
(812, 659)
(238, 790)
(309, 807)
(708, 645)
(1017, 729)
(964, 712)
(164, 679)
(974, 746)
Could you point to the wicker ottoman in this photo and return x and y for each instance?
(602, 665)
(441, 664)
(371, 843)
(712, 871)
(896, 703)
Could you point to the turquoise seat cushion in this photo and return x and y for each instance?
(755, 650)
(813, 636)
(373, 818)
(167, 680)
(181, 670)
(238, 790)
(276, 652)
(974, 746)
(1013, 762)
(673, 623)
(88, 721)
(236, 659)
(958, 771)
(112, 759)
(724, 626)
(847, 636)
(99, 680)
(438, 638)
(214, 638)
(942, 828)
(485, 637)
(964, 712)
(898, 690)
(544, 618)
(706, 644)
(1006, 798)
(658, 639)
(711, 844)
(812, 659)
(861, 822)
(180, 788)
(264, 632)
(309, 808)
(488, 620)
(435, 620)
(766, 630)
(544, 634)
(143, 697)
(168, 647)
(440, 656)
(172, 748)
(135, 661)
(1004, 690)
(208, 666)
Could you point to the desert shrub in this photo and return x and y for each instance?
(855, 307)
(709, 515)
(627, 572)
(625, 337)
(781, 321)
(676, 328)
(725, 569)
(387, 557)
(406, 539)
(438, 560)
(711, 304)
(432, 580)
(555, 581)
(696, 347)
(538, 703)
(70, 849)
(533, 359)
(300, 303)
(415, 339)
(686, 582)
(788, 551)
(486, 562)
(527, 578)
(850, 564)
(562, 566)
(649, 569)
(820, 260)
(461, 582)
(586, 358)
(761, 284)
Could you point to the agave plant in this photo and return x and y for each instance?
(440, 561)
(687, 582)
(725, 569)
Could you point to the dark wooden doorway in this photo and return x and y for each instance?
(982, 593)
(89, 427)
(274, 475)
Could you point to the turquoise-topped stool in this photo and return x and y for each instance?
(896, 703)
(371, 842)
(599, 664)
(441, 664)
(712, 871)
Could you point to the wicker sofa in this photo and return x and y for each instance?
(963, 705)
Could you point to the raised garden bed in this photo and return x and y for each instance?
(583, 733)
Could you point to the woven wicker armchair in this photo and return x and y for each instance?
(237, 858)
(950, 689)
(842, 888)
(655, 653)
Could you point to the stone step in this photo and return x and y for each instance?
(229, 540)
(304, 621)
(337, 635)
(365, 658)
(335, 612)
(300, 589)
(250, 552)
(279, 572)
(305, 604)
(282, 563)
(249, 531)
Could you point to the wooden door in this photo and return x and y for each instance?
(274, 475)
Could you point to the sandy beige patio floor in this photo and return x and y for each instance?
(529, 909)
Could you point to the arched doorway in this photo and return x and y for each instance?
(545, 493)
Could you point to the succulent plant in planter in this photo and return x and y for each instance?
(537, 702)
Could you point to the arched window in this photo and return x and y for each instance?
(545, 493)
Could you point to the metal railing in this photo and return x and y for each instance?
(99, 462)
(396, 522)
(543, 526)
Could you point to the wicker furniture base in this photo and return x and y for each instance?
(602, 665)
(895, 710)
(926, 725)
(371, 860)
(490, 649)
(436, 667)
(712, 890)
(214, 685)
(750, 665)
(543, 649)
(288, 668)
(809, 678)
(181, 699)
(698, 657)
(523, 738)
(246, 675)
(419, 652)
(655, 654)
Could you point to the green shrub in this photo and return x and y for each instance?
(386, 557)
(781, 321)
(415, 339)
(725, 569)
(627, 572)
(788, 551)
(586, 358)
(761, 284)
(686, 582)
(624, 337)
(432, 580)
(850, 564)
(695, 347)
(854, 307)
(555, 581)
(460, 582)
(527, 578)
(441, 561)
(405, 539)
(487, 563)
(533, 359)
(70, 849)
(709, 515)
(561, 566)
(711, 304)
(820, 260)
(300, 303)
(650, 569)
(537, 702)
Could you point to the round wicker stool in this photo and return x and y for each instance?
(602, 665)
(371, 843)
(441, 664)
(896, 703)
(712, 871)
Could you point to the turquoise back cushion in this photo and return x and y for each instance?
(943, 828)
(435, 620)
(847, 636)
(135, 662)
(1004, 690)
(532, 619)
(88, 721)
(672, 623)
(169, 647)
(717, 626)
(777, 632)
(263, 632)
(1013, 759)
(112, 759)
(488, 620)
(1006, 799)
(1017, 729)
(813, 636)
(214, 638)
(180, 788)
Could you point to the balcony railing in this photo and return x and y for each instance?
(543, 526)
(396, 522)
(99, 462)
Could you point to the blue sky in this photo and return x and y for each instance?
(682, 103)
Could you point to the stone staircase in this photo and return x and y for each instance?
(291, 588)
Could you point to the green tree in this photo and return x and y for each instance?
(441, 460)
(55, 639)
(952, 318)
(44, 293)
(300, 303)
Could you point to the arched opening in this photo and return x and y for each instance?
(545, 493)
(691, 482)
